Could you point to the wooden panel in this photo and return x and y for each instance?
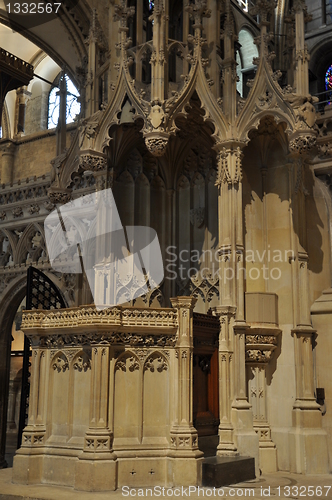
(206, 374)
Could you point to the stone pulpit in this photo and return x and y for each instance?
(111, 398)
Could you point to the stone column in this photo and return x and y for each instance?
(139, 38)
(307, 439)
(158, 60)
(23, 96)
(226, 444)
(61, 129)
(91, 87)
(212, 25)
(302, 56)
(184, 439)
(236, 433)
(96, 467)
(7, 163)
(28, 461)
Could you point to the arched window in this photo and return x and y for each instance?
(244, 57)
(73, 106)
(328, 85)
(328, 79)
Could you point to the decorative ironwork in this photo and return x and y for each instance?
(42, 293)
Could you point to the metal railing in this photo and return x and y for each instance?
(325, 98)
(15, 62)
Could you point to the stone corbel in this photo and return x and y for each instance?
(301, 142)
(92, 161)
(156, 142)
(261, 341)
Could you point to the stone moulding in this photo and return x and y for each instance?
(107, 322)
(108, 339)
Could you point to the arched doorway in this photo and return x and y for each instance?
(11, 303)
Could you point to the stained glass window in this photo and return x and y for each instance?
(151, 5)
(73, 106)
(328, 79)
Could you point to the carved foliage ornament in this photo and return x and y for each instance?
(302, 144)
(60, 364)
(229, 166)
(93, 163)
(156, 145)
(160, 366)
(59, 195)
(259, 348)
(59, 341)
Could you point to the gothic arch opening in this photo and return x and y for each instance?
(244, 57)
(193, 262)
(10, 342)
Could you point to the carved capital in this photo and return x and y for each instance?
(229, 165)
(8, 148)
(183, 302)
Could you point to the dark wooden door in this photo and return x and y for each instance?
(205, 371)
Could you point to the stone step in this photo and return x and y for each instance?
(223, 471)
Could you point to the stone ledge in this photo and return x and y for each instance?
(10, 491)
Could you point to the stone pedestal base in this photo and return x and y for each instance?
(247, 441)
(186, 472)
(226, 446)
(96, 475)
(28, 469)
(268, 458)
(308, 443)
(85, 474)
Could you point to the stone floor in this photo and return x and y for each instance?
(279, 485)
